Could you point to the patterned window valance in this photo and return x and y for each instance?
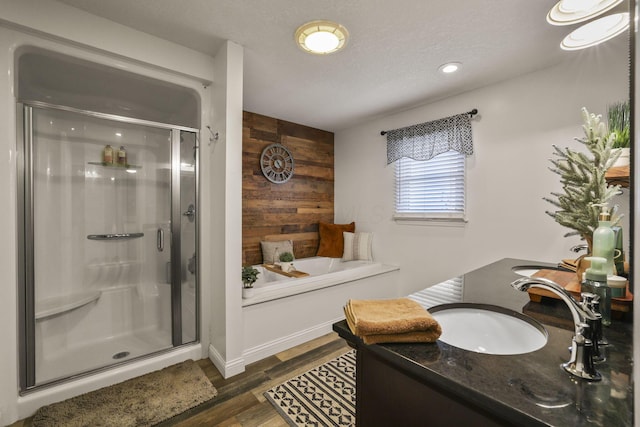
(426, 140)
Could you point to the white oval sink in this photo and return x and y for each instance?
(488, 329)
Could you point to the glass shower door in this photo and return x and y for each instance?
(188, 236)
(99, 268)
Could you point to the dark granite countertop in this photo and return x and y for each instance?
(527, 389)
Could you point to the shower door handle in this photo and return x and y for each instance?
(160, 239)
(190, 213)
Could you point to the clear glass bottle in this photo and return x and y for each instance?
(122, 156)
(107, 155)
(604, 241)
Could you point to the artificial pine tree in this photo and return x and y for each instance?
(583, 180)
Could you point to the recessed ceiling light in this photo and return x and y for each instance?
(567, 12)
(321, 37)
(596, 32)
(449, 67)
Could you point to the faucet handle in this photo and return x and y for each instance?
(590, 301)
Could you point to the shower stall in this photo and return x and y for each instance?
(109, 200)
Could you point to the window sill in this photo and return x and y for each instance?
(430, 221)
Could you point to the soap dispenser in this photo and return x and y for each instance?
(596, 282)
(604, 241)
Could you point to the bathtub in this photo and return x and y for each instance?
(323, 272)
(285, 312)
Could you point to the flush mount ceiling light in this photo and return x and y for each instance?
(568, 12)
(596, 32)
(321, 37)
(449, 67)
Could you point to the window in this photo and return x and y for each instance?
(430, 168)
(447, 292)
(431, 190)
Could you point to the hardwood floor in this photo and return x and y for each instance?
(240, 400)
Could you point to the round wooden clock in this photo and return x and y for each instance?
(277, 163)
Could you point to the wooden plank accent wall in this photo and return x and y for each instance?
(289, 211)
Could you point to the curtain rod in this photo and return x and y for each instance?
(471, 113)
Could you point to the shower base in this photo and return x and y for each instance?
(99, 354)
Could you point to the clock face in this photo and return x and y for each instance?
(276, 163)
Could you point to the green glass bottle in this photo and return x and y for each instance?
(604, 241)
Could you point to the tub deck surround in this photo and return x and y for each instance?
(287, 311)
(524, 390)
(322, 272)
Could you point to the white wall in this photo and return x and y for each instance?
(225, 208)
(507, 175)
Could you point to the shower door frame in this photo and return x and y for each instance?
(25, 238)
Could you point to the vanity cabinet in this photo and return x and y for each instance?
(437, 384)
(390, 396)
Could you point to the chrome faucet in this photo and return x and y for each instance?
(582, 348)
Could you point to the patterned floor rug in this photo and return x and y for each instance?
(143, 401)
(323, 396)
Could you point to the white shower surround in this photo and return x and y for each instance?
(88, 337)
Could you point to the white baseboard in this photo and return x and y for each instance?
(270, 348)
(227, 369)
(251, 355)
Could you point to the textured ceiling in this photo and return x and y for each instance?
(390, 62)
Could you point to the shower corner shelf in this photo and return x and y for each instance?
(122, 167)
(63, 304)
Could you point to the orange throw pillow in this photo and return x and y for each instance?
(332, 240)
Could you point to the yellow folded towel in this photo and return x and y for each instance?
(392, 320)
(407, 337)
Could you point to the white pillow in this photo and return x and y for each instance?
(271, 250)
(357, 246)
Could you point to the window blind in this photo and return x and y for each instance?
(449, 291)
(432, 189)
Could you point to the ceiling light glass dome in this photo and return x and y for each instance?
(568, 12)
(596, 32)
(321, 37)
